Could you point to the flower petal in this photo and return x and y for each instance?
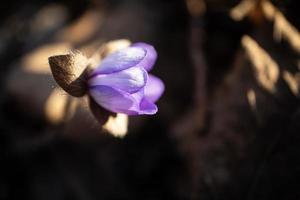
(112, 99)
(150, 57)
(154, 88)
(120, 60)
(121, 102)
(130, 80)
(147, 107)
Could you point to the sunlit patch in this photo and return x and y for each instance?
(251, 99)
(266, 69)
(292, 82)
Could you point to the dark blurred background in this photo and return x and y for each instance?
(228, 123)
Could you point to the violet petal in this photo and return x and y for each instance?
(130, 80)
(120, 60)
(150, 57)
(147, 107)
(154, 88)
(119, 101)
(111, 99)
(143, 105)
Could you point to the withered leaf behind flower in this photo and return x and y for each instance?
(70, 72)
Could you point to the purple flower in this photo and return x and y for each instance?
(121, 82)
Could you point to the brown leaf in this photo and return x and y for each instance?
(70, 72)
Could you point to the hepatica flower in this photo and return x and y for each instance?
(121, 82)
